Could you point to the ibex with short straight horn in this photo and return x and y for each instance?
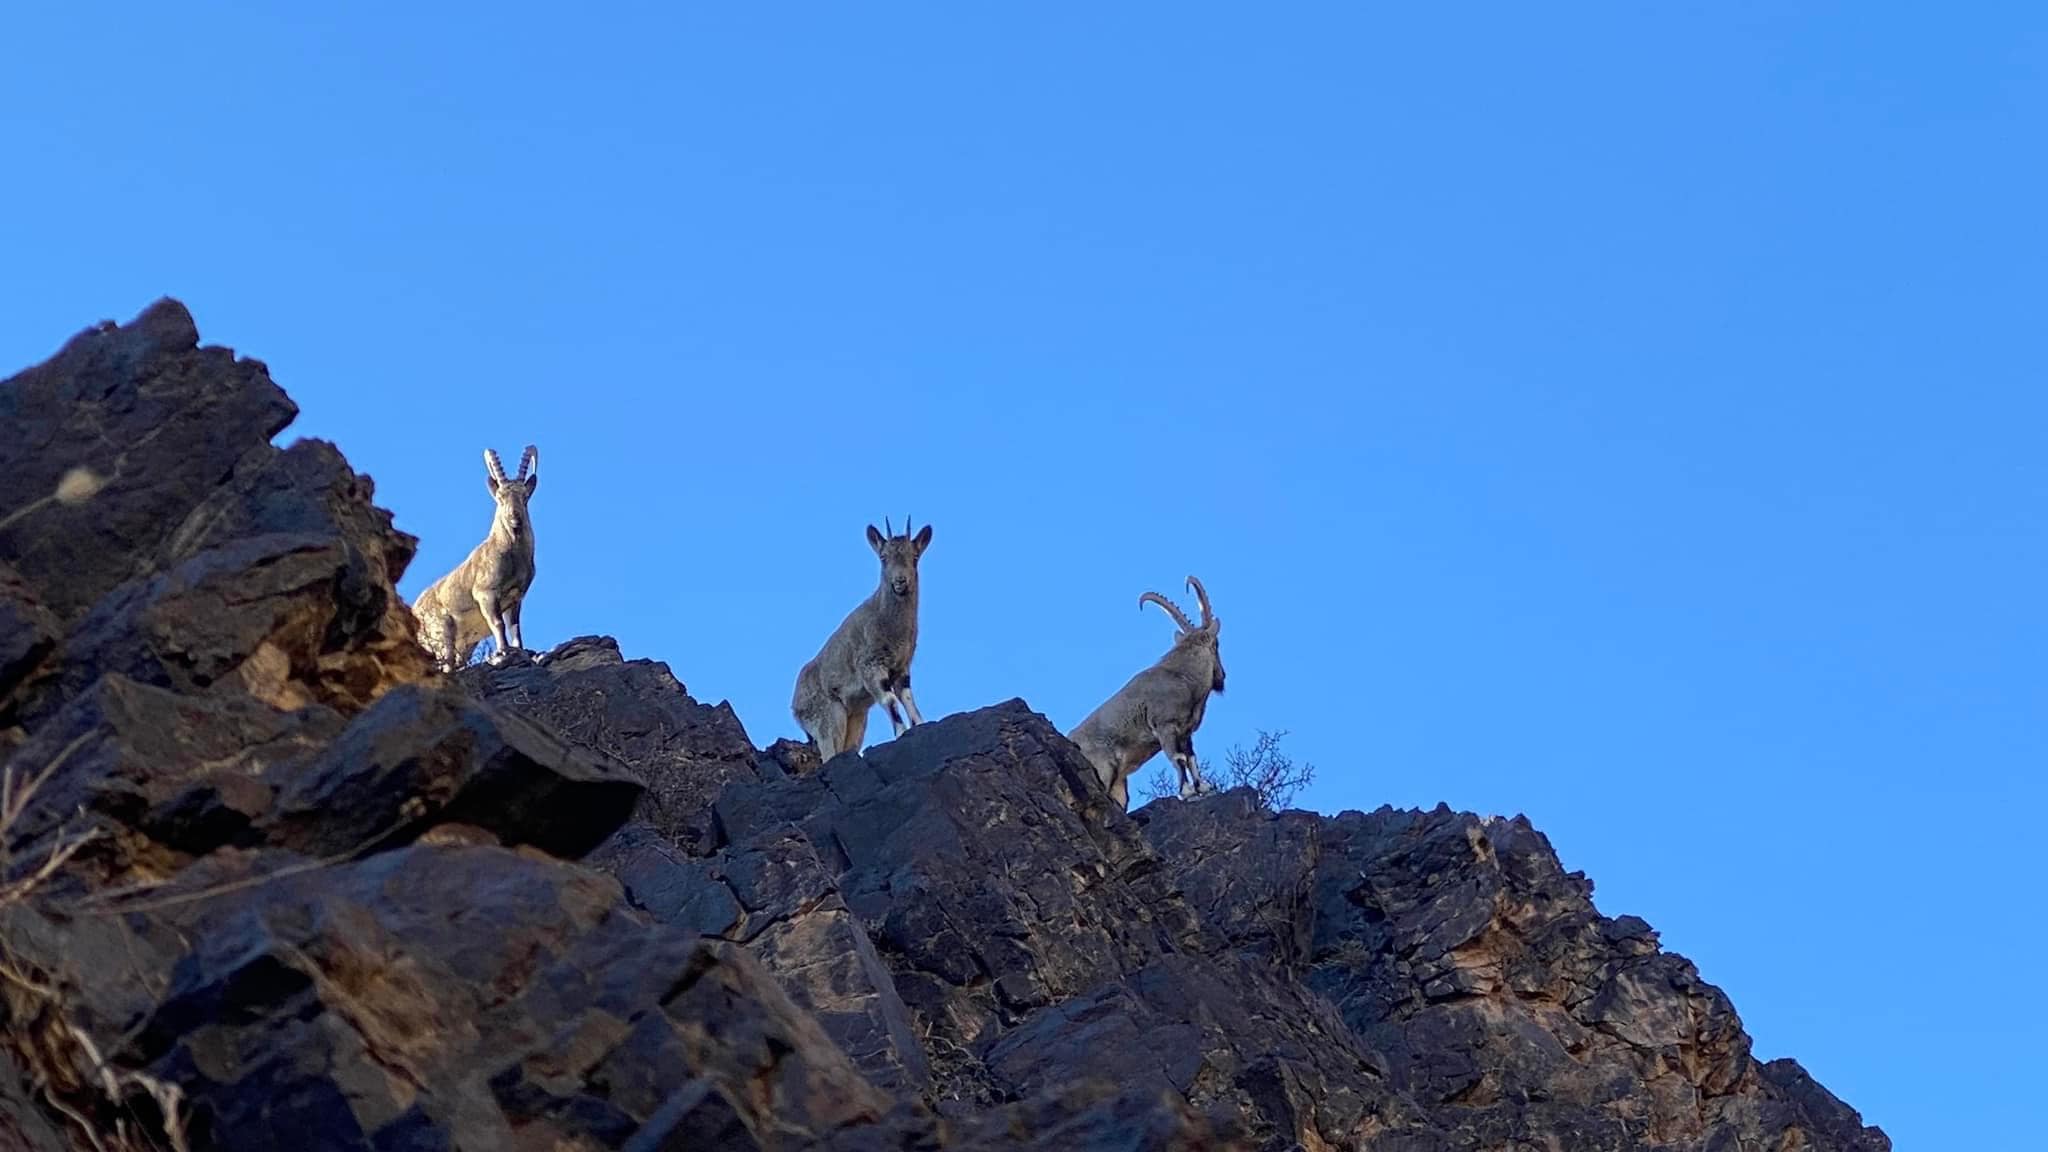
(867, 659)
(1159, 708)
(482, 597)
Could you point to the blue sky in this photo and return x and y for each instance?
(1631, 417)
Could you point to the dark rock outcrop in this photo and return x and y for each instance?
(640, 713)
(278, 885)
(273, 884)
(1403, 979)
(1502, 1001)
(148, 424)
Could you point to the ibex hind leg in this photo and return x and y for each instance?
(909, 702)
(826, 730)
(856, 730)
(440, 640)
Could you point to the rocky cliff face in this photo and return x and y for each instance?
(306, 894)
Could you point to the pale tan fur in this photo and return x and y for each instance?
(867, 658)
(484, 594)
(1158, 709)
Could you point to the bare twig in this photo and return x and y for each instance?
(69, 1045)
(15, 793)
(1263, 767)
(62, 849)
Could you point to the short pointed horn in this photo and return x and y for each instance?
(494, 466)
(1172, 609)
(1202, 595)
(888, 530)
(529, 462)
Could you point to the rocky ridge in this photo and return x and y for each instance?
(311, 895)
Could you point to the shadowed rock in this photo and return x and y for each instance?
(29, 633)
(1500, 1000)
(154, 421)
(638, 712)
(159, 777)
(421, 757)
(23, 1127)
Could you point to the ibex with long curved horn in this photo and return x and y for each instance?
(867, 658)
(1159, 708)
(484, 593)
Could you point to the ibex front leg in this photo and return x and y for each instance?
(909, 703)
(883, 686)
(489, 604)
(512, 628)
(1179, 745)
(1193, 767)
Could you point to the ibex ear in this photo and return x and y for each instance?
(532, 482)
(924, 539)
(875, 539)
(491, 482)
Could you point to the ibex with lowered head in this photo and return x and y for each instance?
(1159, 708)
(867, 659)
(482, 597)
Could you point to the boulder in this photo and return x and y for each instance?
(637, 712)
(426, 756)
(158, 779)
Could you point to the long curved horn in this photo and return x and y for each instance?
(494, 466)
(529, 463)
(1172, 609)
(1202, 595)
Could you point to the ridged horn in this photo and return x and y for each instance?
(1202, 594)
(1172, 609)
